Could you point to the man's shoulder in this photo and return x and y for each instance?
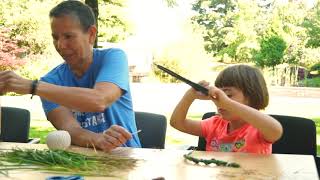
(55, 72)
(108, 51)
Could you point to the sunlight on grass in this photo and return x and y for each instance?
(171, 140)
(178, 139)
(38, 132)
(40, 123)
(40, 129)
(317, 122)
(195, 116)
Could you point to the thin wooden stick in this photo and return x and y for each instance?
(136, 132)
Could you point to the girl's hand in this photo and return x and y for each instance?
(218, 96)
(197, 94)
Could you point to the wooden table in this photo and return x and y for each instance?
(170, 164)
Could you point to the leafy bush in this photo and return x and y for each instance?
(37, 66)
(164, 77)
(24, 31)
(271, 51)
(113, 22)
(10, 52)
(29, 23)
(314, 82)
(315, 70)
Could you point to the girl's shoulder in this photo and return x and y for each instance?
(216, 119)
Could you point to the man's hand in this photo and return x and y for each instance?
(11, 82)
(113, 137)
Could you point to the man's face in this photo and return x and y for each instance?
(70, 41)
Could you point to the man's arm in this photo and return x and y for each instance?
(82, 99)
(115, 136)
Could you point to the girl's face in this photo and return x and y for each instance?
(236, 95)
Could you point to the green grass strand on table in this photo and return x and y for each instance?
(63, 162)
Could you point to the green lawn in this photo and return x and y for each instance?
(40, 129)
(317, 121)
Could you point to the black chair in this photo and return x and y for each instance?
(202, 141)
(15, 125)
(299, 136)
(153, 129)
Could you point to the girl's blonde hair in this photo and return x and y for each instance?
(249, 80)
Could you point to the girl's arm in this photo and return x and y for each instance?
(178, 118)
(269, 127)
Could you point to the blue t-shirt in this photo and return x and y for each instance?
(109, 65)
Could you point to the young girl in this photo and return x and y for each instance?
(239, 92)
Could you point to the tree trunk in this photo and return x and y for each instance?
(95, 7)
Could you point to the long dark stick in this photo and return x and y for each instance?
(196, 86)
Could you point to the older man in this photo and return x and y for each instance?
(88, 95)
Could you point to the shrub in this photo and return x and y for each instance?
(38, 65)
(29, 23)
(315, 70)
(24, 31)
(11, 53)
(271, 52)
(314, 82)
(164, 77)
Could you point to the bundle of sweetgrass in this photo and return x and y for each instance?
(63, 162)
(210, 161)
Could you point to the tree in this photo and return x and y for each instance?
(111, 21)
(312, 24)
(10, 53)
(271, 52)
(171, 3)
(217, 18)
(28, 22)
(95, 7)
